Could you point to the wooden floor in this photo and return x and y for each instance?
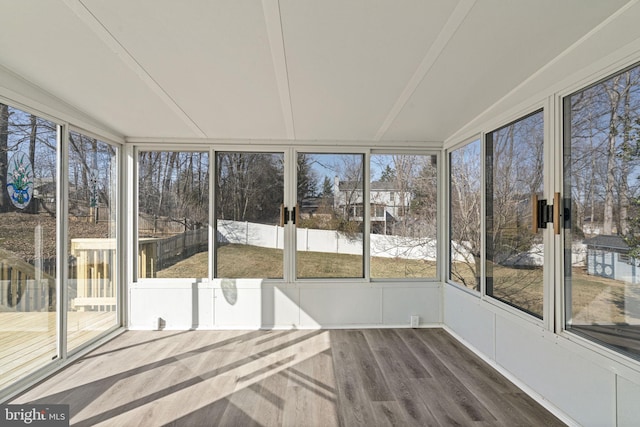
(395, 377)
(28, 340)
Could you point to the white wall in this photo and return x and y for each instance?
(253, 304)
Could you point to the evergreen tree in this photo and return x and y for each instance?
(327, 187)
(388, 174)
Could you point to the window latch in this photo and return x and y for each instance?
(542, 213)
(287, 215)
(291, 215)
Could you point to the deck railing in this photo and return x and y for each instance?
(25, 287)
(93, 283)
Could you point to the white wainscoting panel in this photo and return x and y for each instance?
(254, 304)
(280, 307)
(628, 403)
(399, 304)
(584, 390)
(464, 315)
(238, 303)
(181, 306)
(340, 306)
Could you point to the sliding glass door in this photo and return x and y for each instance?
(28, 252)
(92, 283)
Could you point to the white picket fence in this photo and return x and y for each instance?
(328, 241)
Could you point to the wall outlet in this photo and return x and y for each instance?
(415, 321)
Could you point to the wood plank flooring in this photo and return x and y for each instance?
(372, 377)
(28, 340)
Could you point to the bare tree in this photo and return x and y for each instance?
(465, 197)
(514, 174)
(250, 186)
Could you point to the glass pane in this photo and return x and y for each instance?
(173, 218)
(602, 238)
(514, 175)
(28, 169)
(465, 169)
(92, 285)
(249, 196)
(403, 211)
(329, 231)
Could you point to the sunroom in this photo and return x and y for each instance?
(341, 171)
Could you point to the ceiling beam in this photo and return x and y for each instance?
(448, 30)
(273, 22)
(108, 39)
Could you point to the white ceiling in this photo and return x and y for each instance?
(366, 70)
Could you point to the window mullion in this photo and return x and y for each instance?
(289, 228)
(366, 217)
(61, 244)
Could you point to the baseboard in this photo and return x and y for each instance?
(286, 327)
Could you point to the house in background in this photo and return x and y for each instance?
(388, 203)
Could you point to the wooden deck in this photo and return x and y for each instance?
(28, 340)
(323, 378)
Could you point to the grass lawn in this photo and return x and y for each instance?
(597, 300)
(235, 261)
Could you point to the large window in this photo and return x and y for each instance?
(465, 167)
(330, 193)
(602, 192)
(249, 203)
(254, 230)
(403, 215)
(92, 285)
(28, 251)
(173, 214)
(514, 266)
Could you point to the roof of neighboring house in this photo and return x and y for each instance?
(608, 241)
(384, 185)
(349, 185)
(375, 186)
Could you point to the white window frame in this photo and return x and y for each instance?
(290, 151)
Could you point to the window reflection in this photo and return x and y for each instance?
(92, 278)
(28, 206)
